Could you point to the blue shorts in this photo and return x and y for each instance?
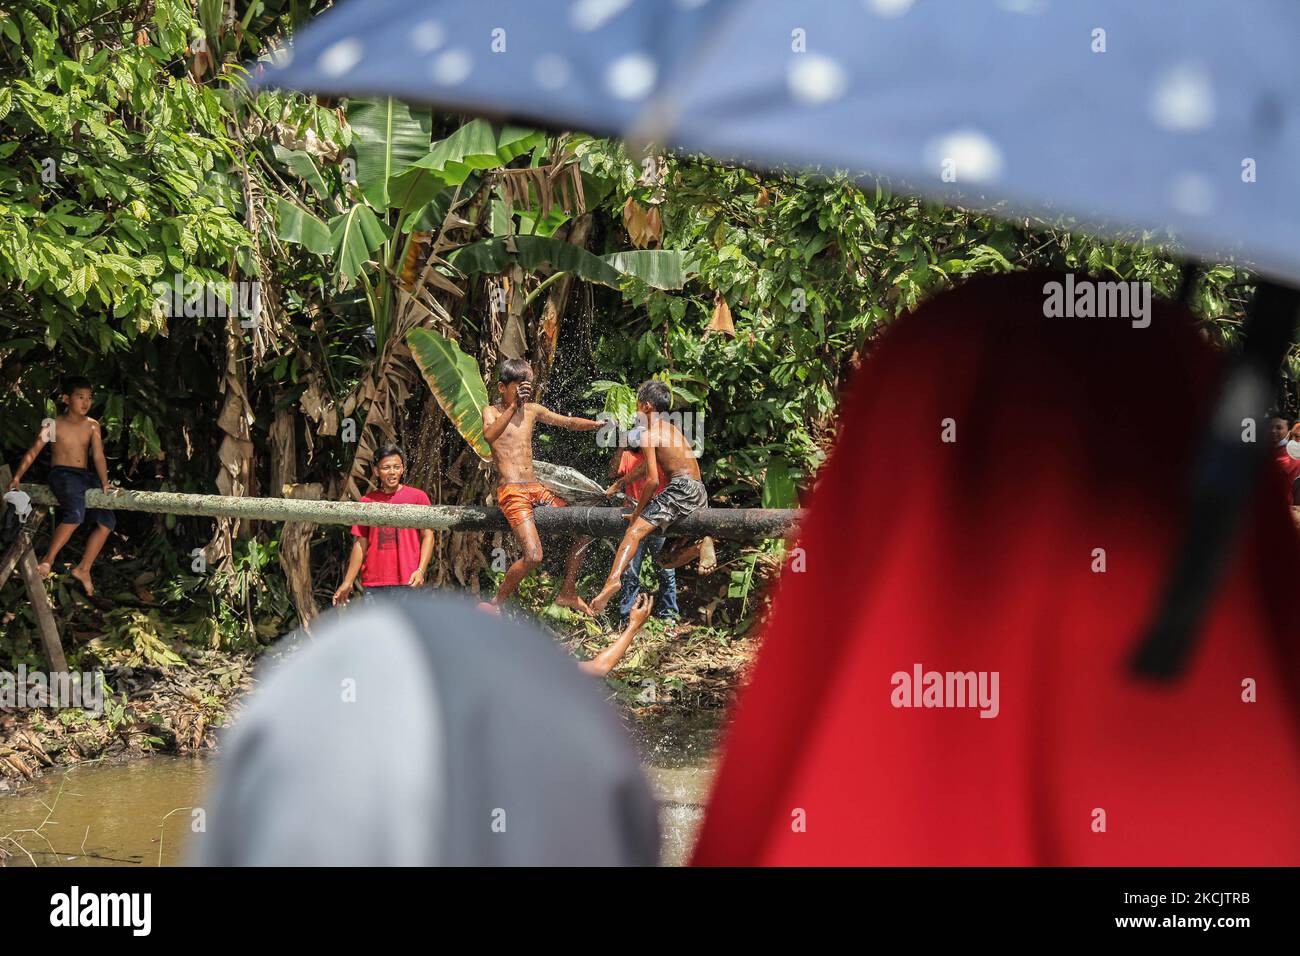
(69, 486)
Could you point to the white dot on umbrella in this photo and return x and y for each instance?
(428, 36)
(813, 78)
(971, 155)
(340, 57)
(551, 72)
(889, 8)
(1191, 194)
(588, 15)
(1023, 6)
(1183, 98)
(281, 57)
(452, 67)
(631, 77)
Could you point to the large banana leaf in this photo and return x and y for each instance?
(354, 235)
(477, 146)
(514, 141)
(388, 137)
(456, 383)
(492, 256)
(303, 166)
(473, 146)
(659, 268)
(298, 225)
(411, 193)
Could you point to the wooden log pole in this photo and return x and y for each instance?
(731, 524)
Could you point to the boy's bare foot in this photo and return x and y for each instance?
(43, 569)
(575, 603)
(84, 578)
(488, 607)
(601, 599)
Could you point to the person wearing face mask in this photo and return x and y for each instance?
(630, 467)
(1286, 452)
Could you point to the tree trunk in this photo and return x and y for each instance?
(295, 537)
(735, 524)
(547, 335)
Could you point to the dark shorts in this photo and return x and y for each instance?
(69, 486)
(682, 496)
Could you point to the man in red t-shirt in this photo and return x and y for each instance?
(388, 557)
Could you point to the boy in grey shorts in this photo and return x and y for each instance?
(667, 451)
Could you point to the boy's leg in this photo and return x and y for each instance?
(568, 596)
(666, 606)
(630, 583)
(632, 539)
(689, 551)
(61, 535)
(526, 533)
(94, 544)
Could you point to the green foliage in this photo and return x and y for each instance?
(131, 156)
(111, 174)
(812, 270)
(135, 638)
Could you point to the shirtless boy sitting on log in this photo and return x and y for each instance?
(508, 428)
(76, 444)
(667, 450)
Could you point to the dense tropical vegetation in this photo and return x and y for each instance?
(398, 254)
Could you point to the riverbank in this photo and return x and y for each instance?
(672, 690)
(173, 709)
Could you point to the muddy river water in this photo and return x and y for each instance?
(139, 813)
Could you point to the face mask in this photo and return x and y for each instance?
(634, 437)
(1293, 448)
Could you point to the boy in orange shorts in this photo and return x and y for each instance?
(508, 428)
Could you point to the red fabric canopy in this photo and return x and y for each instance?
(983, 554)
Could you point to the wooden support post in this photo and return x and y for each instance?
(45, 621)
(21, 554)
(21, 545)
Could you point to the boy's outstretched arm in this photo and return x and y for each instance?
(97, 452)
(549, 417)
(28, 458)
(608, 659)
(636, 474)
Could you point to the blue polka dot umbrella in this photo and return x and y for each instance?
(1121, 116)
(1177, 124)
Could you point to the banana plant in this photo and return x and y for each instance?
(456, 383)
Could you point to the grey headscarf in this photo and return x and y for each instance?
(416, 730)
